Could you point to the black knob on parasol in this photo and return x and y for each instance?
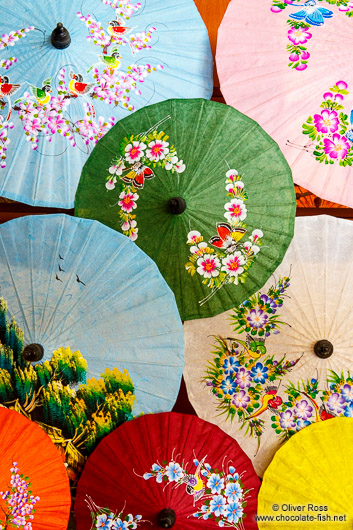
(176, 205)
(33, 352)
(60, 37)
(166, 518)
(323, 349)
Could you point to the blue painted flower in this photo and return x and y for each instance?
(348, 411)
(228, 385)
(301, 423)
(233, 512)
(104, 522)
(159, 475)
(230, 365)
(174, 471)
(118, 524)
(217, 505)
(233, 491)
(259, 373)
(146, 476)
(347, 393)
(215, 483)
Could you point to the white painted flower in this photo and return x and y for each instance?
(193, 236)
(110, 184)
(233, 264)
(231, 173)
(235, 186)
(135, 151)
(196, 248)
(250, 248)
(256, 234)
(180, 166)
(125, 226)
(236, 210)
(208, 266)
(158, 150)
(116, 169)
(171, 161)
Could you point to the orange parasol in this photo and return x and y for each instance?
(34, 486)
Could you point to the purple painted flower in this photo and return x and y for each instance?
(266, 300)
(217, 505)
(286, 420)
(299, 35)
(243, 378)
(327, 121)
(303, 410)
(241, 399)
(337, 147)
(347, 392)
(336, 403)
(257, 318)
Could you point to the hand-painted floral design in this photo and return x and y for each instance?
(218, 495)
(19, 500)
(45, 111)
(330, 131)
(106, 519)
(139, 155)
(301, 19)
(240, 375)
(231, 257)
(306, 404)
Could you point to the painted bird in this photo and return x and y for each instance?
(321, 413)
(269, 401)
(7, 88)
(195, 486)
(254, 348)
(116, 28)
(312, 13)
(42, 95)
(111, 61)
(77, 86)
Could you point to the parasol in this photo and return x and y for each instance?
(203, 191)
(287, 87)
(69, 70)
(167, 470)
(34, 485)
(282, 359)
(95, 335)
(294, 491)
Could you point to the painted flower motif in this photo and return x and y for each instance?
(327, 121)
(174, 471)
(228, 386)
(197, 249)
(104, 522)
(208, 266)
(215, 483)
(233, 264)
(180, 166)
(232, 174)
(230, 365)
(217, 505)
(233, 491)
(250, 248)
(236, 210)
(194, 237)
(233, 512)
(348, 411)
(268, 301)
(159, 476)
(301, 423)
(347, 392)
(336, 403)
(135, 151)
(299, 35)
(243, 378)
(256, 234)
(110, 184)
(259, 373)
(303, 410)
(257, 318)
(337, 147)
(286, 420)
(342, 85)
(158, 149)
(241, 399)
(118, 524)
(128, 201)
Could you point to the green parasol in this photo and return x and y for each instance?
(203, 190)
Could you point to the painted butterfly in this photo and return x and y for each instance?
(137, 175)
(228, 237)
(312, 13)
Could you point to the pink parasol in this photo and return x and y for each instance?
(285, 64)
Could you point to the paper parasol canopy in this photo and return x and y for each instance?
(70, 70)
(308, 484)
(105, 319)
(203, 191)
(34, 484)
(165, 470)
(267, 369)
(285, 64)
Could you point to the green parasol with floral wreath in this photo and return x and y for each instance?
(203, 190)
